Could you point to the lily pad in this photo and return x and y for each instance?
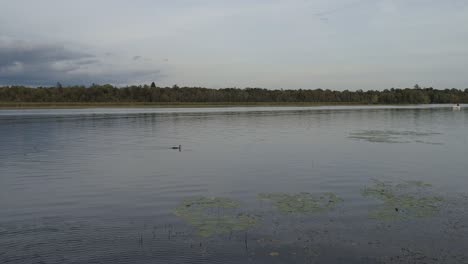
(204, 214)
(302, 202)
(403, 201)
(393, 136)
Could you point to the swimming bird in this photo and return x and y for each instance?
(179, 147)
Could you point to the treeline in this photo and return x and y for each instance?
(175, 94)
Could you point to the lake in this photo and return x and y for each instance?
(341, 184)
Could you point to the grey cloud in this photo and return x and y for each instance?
(45, 64)
(340, 8)
(29, 53)
(141, 58)
(40, 78)
(118, 78)
(87, 61)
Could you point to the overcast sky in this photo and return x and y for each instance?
(330, 44)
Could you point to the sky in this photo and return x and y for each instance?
(288, 44)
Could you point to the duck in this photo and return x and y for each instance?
(179, 147)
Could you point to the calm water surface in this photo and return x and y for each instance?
(102, 185)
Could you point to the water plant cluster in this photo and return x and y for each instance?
(393, 136)
(302, 202)
(211, 216)
(403, 201)
(218, 215)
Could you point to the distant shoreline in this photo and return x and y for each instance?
(153, 96)
(61, 105)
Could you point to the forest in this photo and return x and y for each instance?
(154, 94)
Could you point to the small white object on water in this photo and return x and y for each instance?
(456, 107)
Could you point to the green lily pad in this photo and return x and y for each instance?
(203, 213)
(403, 201)
(302, 202)
(393, 136)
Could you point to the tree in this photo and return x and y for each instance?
(153, 85)
(109, 93)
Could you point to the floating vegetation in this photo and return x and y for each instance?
(428, 142)
(403, 201)
(302, 202)
(212, 216)
(408, 255)
(393, 136)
